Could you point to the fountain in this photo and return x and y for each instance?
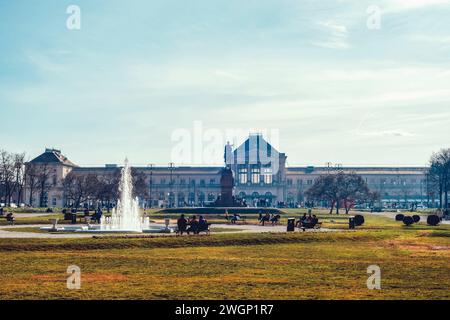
(126, 217)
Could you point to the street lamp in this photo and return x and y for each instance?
(151, 183)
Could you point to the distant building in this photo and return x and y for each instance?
(262, 178)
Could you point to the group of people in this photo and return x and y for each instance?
(273, 218)
(192, 224)
(307, 221)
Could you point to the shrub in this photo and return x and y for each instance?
(433, 220)
(399, 217)
(359, 220)
(416, 218)
(408, 220)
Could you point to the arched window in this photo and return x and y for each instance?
(181, 199)
(171, 199)
(201, 198)
(191, 198)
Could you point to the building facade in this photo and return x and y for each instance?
(261, 176)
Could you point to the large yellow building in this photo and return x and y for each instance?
(262, 178)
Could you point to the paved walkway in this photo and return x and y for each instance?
(31, 215)
(7, 231)
(261, 229)
(423, 218)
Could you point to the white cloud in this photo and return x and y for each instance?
(431, 39)
(336, 37)
(386, 133)
(401, 5)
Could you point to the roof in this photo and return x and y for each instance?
(255, 150)
(53, 156)
(158, 170)
(359, 170)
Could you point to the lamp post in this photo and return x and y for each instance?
(171, 168)
(151, 183)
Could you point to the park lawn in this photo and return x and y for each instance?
(415, 264)
(33, 220)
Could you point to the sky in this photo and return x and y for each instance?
(138, 75)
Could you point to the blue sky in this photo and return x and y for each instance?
(137, 71)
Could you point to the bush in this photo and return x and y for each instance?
(399, 217)
(359, 220)
(433, 220)
(416, 218)
(408, 220)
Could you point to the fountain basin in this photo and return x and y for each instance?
(98, 229)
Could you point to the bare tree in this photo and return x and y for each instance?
(19, 174)
(439, 174)
(109, 188)
(339, 188)
(43, 185)
(325, 189)
(7, 176)
(352, 187)
(31, 182)
(81, 188)
(139, 185)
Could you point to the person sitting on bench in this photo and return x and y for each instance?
(310, 222)
(182, 224)
(301, 221)
(97, 216)
(235, 218)
(275, 219)
(10, 218)
(202, 224)
(193, 225)
(265, 218)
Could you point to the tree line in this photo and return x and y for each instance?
(342, 190)
(439, 176)
(39, 179)
(12, 166)
(100, 190)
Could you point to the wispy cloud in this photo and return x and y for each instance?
(390, 6)
(386, 133)
(335, 36)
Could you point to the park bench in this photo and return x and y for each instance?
(207, 231)
(317, 226)
(10, 220)
(241, 220)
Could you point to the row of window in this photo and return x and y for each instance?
(396, 182)
(210, 197)
(266, 177)
(256, 176)
(202, 182)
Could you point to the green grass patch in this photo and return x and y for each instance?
(415, 264)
